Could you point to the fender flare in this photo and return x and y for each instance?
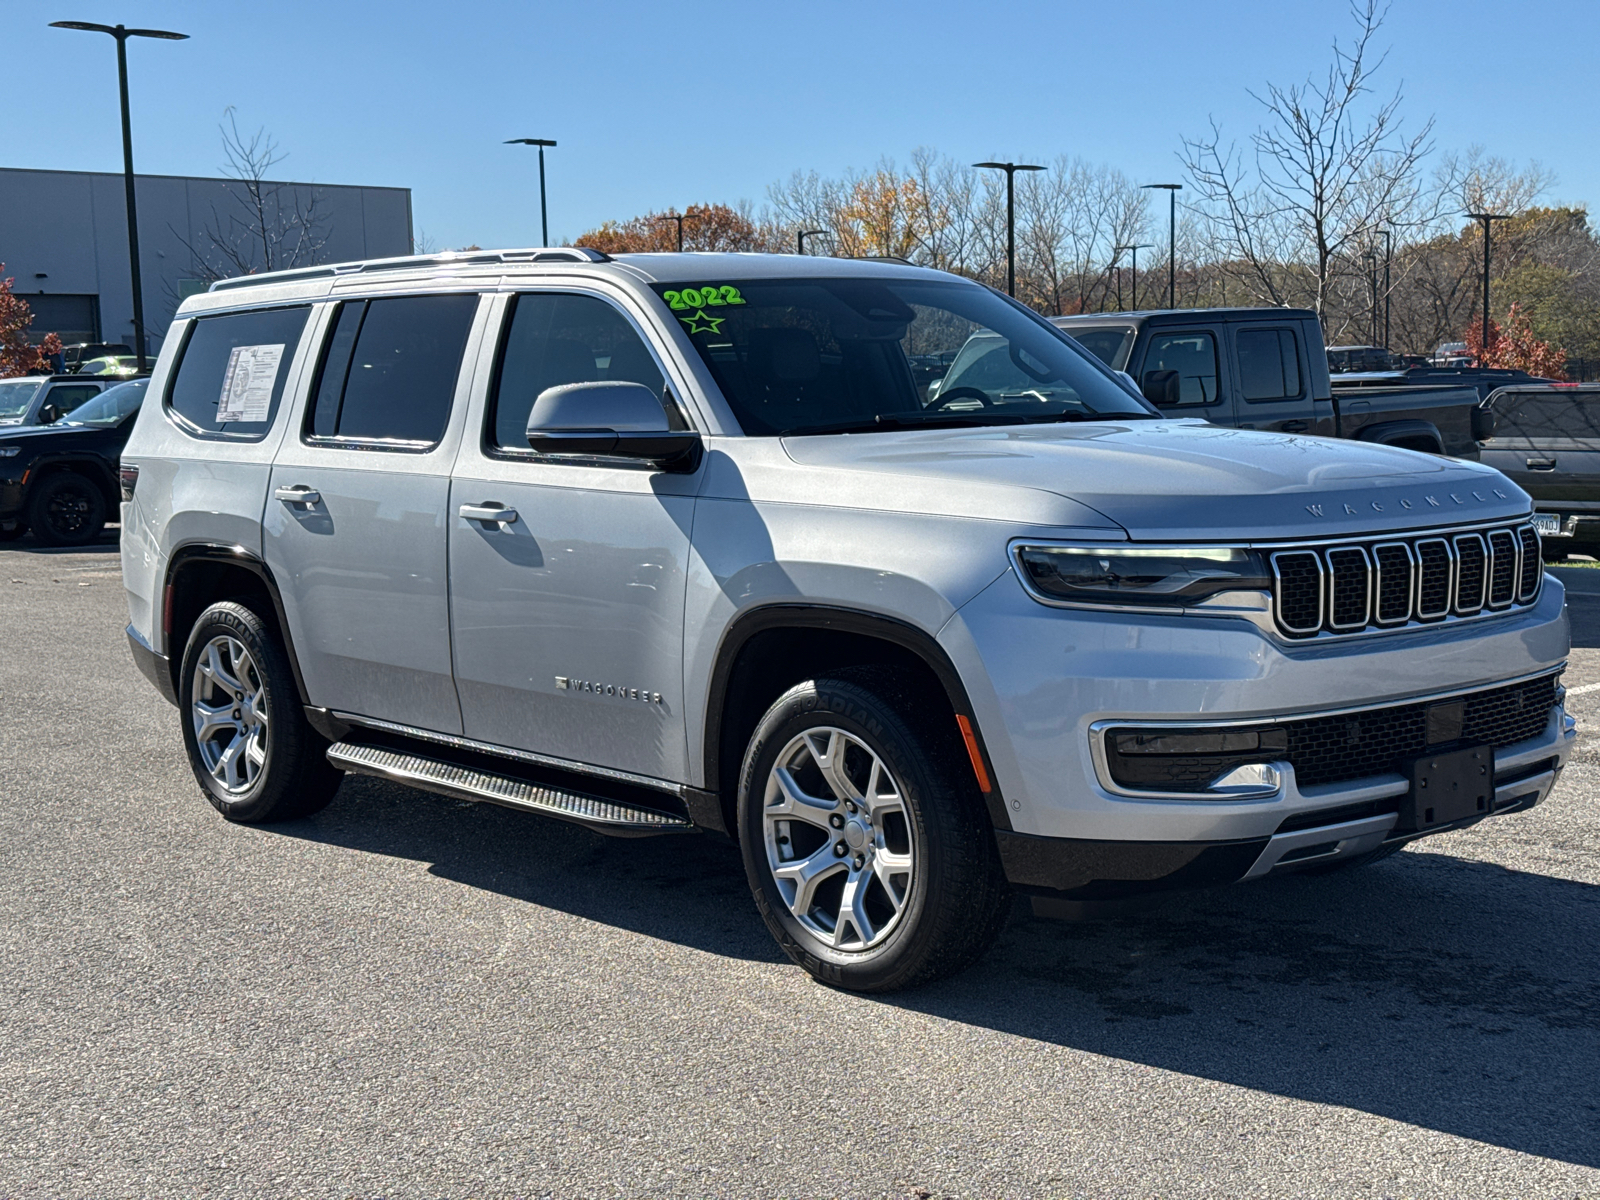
(1387, 433)
(92, 465)
(191, 553)
(844, 620)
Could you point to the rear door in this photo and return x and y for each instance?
(1274, 376)
(1549, 444)
(356, 524)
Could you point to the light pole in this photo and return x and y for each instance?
(1488, 220)
(1371, 258)
(1135, 248)
(678, 217)
(1011, 170)
(800, 238)
(1172, 190)
(1388, 254)
(544, 216)
(122, 35)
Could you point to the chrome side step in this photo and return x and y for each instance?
(465, 783)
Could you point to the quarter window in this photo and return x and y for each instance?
(1546, 417)
(554, 339)
(1194, 357)
(1269, 364)
(389, 372)
(232, 369)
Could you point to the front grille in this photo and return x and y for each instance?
(1334, 749)
(1389, 583)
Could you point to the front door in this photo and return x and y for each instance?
(356, 518)
(567, 603)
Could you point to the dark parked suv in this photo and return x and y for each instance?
(1546, 437)
(61, 480)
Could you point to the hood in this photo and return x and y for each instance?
(1187, 479)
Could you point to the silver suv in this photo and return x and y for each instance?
(692, 542)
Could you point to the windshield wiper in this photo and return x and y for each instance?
(906, 421)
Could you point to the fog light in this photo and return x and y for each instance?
(1252, 779)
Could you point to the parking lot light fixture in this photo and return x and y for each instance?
(1488, 220)
(1011, 170)
(1172, 190)
(122, 34)
(1388, 254)
(544, 214)
(1135, 247)
(800, 238)
(678, 218)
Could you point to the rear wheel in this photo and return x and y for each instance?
(865, 842)
(66, 510)
(251, 750)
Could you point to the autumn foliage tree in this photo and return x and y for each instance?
(705, 227)
(1514, 347)
(17, 355)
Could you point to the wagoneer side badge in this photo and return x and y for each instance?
(607, 689)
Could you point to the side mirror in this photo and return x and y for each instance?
(1161, 388)
(624, 420)
(49, 415)
(1483, 423)
(933, 388)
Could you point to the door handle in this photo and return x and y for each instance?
(1541, 464)
(1294, 426)
(489, 514)
(298, 494)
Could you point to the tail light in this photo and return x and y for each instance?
(128, 476)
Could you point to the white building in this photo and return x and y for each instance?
(64, 238)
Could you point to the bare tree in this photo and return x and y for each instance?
(268, 226)
(1329, 167)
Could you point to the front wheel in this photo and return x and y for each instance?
(254, 755)
(865, 841)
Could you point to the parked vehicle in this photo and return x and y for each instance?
(44, 399)
(78, 353)
(1483, 380)
(111, 364)
(1265, 368)
(60, 480)
(675, 542)
(1359, 358)
(1546, 439)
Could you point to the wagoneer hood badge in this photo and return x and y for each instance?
(1184, 480)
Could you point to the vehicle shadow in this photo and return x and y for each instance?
(1446, 993)
(107, 543)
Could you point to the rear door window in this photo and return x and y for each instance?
(1269, 364)
(232, 369)
(389, 373)
(1193, 355)
(68, 396)
(1547, 418)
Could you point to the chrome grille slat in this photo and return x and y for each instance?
(1330, 588)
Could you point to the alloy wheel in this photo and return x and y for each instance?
(838, 839)
(229, 710)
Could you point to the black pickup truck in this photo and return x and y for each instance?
(1266, 368)
(1546, 438)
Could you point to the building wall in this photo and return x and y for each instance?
(65, 233)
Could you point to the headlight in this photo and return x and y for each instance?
(10, 451)
(1139, 576)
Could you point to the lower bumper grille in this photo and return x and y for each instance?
(1332, 749)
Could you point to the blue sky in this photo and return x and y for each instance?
(685, 101)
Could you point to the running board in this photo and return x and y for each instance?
(464, 783)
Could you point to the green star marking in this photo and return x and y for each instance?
(700, 323)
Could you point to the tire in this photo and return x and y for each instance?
(279, 771)
(17, 529)
(1350, 864)
(835, 737)
(66, 510)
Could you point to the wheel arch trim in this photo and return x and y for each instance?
(191, 553)
(843, 620)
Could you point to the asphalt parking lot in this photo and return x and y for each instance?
(407, 996)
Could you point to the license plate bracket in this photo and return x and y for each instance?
(1447, 787)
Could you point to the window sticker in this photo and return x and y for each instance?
(700, 323)
(247, 384)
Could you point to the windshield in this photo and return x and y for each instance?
(1110, 346)
(110, 406)
(17, 394)
(797, 356)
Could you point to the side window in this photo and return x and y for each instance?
(558, 338)
(1193, 356)
(67, 396)
(1546, 417)
(232, 369)
(389, 371)
(1269, 364)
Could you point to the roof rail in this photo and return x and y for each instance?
(536, 254)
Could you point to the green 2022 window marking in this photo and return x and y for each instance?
(702, 297)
